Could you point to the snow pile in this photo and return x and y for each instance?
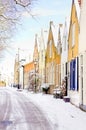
(45, 85)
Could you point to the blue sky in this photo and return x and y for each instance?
(44, 11)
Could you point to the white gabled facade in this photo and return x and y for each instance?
(42, 57)
(82, 56)
(64, 53)
(59, 49)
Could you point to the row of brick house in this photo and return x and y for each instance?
(61, 55)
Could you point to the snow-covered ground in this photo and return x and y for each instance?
(63, 114)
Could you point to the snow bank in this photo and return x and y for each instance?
(64, 115)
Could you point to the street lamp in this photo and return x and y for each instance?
(22, 65)
(23, 75)
(35, 63)
(20, 72)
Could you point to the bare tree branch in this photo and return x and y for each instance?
(23, 3)
(10, 14)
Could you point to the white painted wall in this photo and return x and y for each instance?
(82, 51)
(82, 36)
(64, 54)
(82, 75)
(42, 57)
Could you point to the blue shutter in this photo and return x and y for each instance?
(77, 73)
(70, 75)
(74, 73)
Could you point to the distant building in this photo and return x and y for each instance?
(2, 84)
(64, 54)
(36, 63)
(28, 75)
(16, 70)
(41, 57)
(36, 53)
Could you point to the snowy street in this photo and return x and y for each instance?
(23, 110)
(19, 113)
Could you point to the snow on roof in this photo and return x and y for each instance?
(61, 31)
(77, 8)
(66, 27)
(45, 85)
(55, 29)
(43, 38)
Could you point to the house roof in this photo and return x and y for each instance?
(35, 53)
(77, 5)
(66, 27)
(55, 29)
(43, 38)
(29, 66)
